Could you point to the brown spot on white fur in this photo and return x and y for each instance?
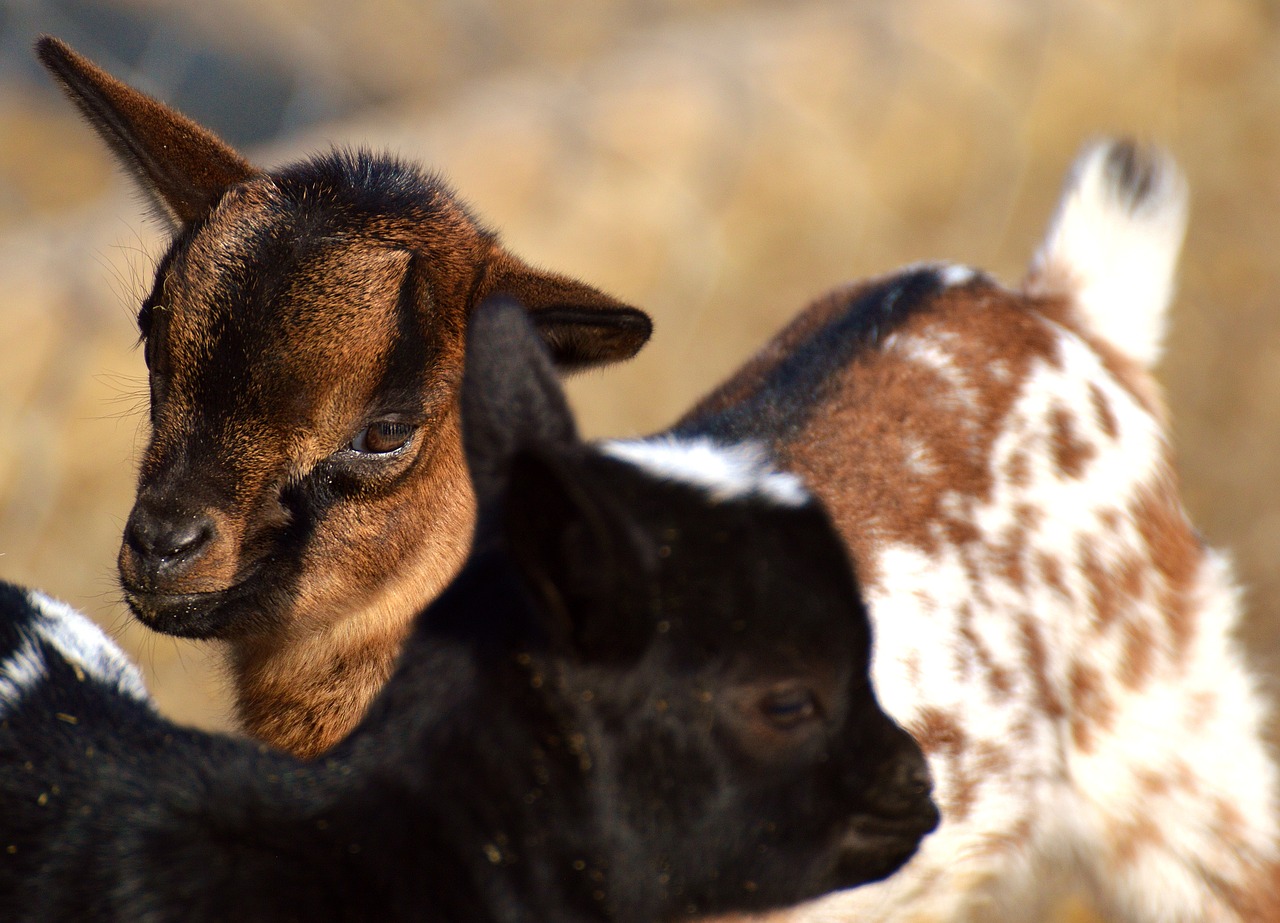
(1102, 411)
(1176, 554)
(1051, 573)
(1070, 452)
(1092, 709)
(1137, 658)
(1073, 617)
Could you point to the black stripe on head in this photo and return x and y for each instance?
(783, 400)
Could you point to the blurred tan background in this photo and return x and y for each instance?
(717, 162)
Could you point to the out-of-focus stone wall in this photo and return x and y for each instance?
(717, 163)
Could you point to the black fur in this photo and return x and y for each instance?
(781, 402)
(632, 704)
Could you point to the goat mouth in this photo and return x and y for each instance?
(216, 614)
(875, 847)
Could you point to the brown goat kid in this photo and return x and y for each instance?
(304, 338)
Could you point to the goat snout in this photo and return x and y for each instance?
(899, 792)
(163, 544)
(897, 812)
(905, 793)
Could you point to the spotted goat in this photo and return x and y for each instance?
(304, 338)
(1049, 626)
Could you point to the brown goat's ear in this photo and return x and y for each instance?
(183, 168)
(581, 325)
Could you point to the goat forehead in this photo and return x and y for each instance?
(308, 319)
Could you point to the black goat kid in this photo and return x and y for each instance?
(643, 696)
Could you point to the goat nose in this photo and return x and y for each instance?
(167, 542)
(898, 784)
(905, 788)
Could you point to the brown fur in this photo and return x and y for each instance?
(295, 309)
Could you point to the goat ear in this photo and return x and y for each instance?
(582, 326)
(183, 168)
(511, 397)
(576, 555)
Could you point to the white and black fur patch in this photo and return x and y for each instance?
(726, 472)
(54, 626)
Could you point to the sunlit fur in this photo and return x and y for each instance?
(596, 721)
(294, 308)
(1049, 626)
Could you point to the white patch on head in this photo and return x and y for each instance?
(80, 642)
(950, 274)
(726, 472)
(953, 274)
(1113, 245)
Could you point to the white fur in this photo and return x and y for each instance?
(23, 670)
(726, 472)
(1043, 816)
(950, 274)
(1113, 250)
(953, 274)
(79, 641)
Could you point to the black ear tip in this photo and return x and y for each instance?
(53, 52)
(582, 337)
(637, 324)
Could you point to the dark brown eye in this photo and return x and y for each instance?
(383, 436)
(788, 706)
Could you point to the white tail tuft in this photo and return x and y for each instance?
(1113, 245)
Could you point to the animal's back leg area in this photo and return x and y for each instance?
(1174, 787)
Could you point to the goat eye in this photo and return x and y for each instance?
(382, 437)
(789, 706)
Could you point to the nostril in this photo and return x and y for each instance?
(183, 538)
(167, 537)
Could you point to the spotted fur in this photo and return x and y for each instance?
(1048, 624)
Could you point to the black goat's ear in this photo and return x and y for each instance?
(183, 168)
(511, 397)
(579, 560)
(582, 326)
